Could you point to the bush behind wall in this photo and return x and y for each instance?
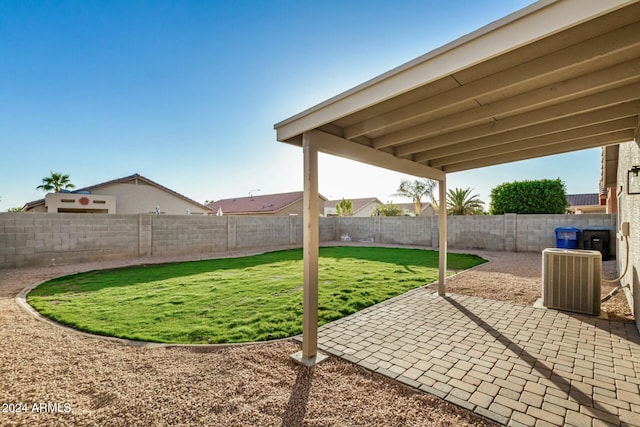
(544, 196)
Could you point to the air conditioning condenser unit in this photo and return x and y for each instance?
(571, 280)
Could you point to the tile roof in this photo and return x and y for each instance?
(583, 199)
(265, 203)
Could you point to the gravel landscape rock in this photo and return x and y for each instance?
(517, 278)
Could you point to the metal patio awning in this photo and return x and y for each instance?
(554, 77)
(557, 76)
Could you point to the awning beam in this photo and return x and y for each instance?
(485, 138)
(535, 152)
(335, 145)
(568, 137)
(412, 136)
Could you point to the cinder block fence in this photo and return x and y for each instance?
(50, 239)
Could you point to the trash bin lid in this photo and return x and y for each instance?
(567, 230)
(596, 228)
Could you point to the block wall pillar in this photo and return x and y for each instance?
(510, 229)
(145, 235)
(231, 233)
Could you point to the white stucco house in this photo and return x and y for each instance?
(133, 194)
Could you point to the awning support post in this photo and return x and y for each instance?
(442, 236)
(309, 355)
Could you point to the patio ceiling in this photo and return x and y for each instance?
(555, 77)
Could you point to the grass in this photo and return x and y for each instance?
(252, 298)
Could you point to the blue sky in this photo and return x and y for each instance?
(186, 93)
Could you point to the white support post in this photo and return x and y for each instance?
(311, 230)
(442, 232)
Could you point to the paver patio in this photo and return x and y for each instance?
(514, 364)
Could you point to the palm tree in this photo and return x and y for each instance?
(461, 202)
(416, 190)
(56, 182)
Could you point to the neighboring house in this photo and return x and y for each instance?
(132, 194)
(360, 207)
(585, 203)
(410, 209)
(621, 176)
(281, 204)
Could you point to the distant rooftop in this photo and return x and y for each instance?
(265, 203)
(356, 204)
(583, 199)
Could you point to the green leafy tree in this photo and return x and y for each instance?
(462, 202)
(344, 207)
(545, 196)
(55, 182)
(16, 209)
(387, 210)
(416, 190)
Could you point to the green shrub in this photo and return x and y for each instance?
(387, 210)
(545, 196)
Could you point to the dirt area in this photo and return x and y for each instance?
(90, 381)
(516, 277)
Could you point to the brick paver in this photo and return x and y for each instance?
(514, 364)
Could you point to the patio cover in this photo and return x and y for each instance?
(554, 77)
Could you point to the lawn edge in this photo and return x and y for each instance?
(21, 300)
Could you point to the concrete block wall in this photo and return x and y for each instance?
(327, 229)
(510, 232)
(356, 228)
(183, 235)
(534, 233)
(400, 230)
(44, 239)
(50, 239)
(510, 227)
(477, 232)
(520, 233)
(405, 230)
(257, 231)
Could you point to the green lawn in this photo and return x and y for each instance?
(235, 299)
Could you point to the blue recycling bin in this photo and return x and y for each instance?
(567, 237)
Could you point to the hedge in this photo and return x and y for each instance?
(545, 196)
